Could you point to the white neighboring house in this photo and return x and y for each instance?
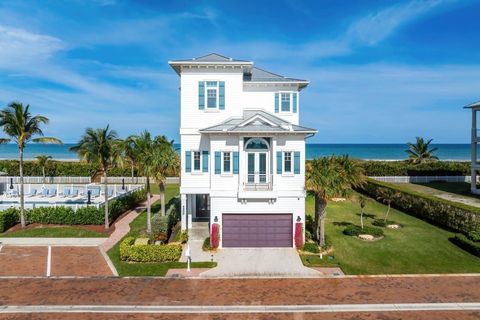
(475, 140)
(242, 151)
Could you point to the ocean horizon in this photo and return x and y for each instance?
(368, 151)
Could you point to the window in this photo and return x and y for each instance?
(196, 161)
(227, 162)
(287, 162)
(212, 94)
(256, 144)
(285, 102)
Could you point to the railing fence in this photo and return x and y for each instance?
(422, 179)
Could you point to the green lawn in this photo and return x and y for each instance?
(418, 247)
(461, 189)
(149, 269)
(53, 232)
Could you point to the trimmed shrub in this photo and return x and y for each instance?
(206, 244)
(474, 236)
(354, 230)
(405, 168)
(311, 247)
(148, 252)
(9, 218)
(466, 244)
(183, 236)
(445, 213)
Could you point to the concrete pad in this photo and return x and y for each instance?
(23, 261)
(262, 262)
(79, 261)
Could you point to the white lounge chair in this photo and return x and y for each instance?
(52, 193)
(32, 193)
(44, 193)
(66, 192)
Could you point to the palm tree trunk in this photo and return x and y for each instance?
(22, 197)
(388, 211)
(132, 172)
(105, 190)
(149, 209)
(320, 213)
(43, 172)
(361, 218)
(161, 187)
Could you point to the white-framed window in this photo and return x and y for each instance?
(285, 101)
(287, 162)
(227, 162)
(211, 94)
(197, 161)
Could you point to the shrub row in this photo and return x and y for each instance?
(68, 216)
(149, 253)
(405, 168)
(354, 230)
(445, 213)
(8, 218)
(466, 244)
(382, 223)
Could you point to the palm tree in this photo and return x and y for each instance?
(101, 147)
(165, 162)
(327, 178)
(419, 152)
(19, 124)
(131, 155)
(144, 146)
(385, 198)
(42, 162)
(363, 203)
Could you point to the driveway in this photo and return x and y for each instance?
(263, 262)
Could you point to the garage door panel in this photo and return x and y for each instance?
(257, 230)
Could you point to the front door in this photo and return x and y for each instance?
(202, 205)
(257, 167)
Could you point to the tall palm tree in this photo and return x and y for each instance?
(101, 147)
(131, 155)
(420, 152)
(19, 124)
(165, 162)
(327, 178)
(144, 145)
(42, 161)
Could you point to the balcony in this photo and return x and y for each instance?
(258, 182)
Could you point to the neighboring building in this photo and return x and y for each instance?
(242, 151)
(475, 163)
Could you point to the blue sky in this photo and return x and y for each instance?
(380, 71)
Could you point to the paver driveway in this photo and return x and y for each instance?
(243, 262)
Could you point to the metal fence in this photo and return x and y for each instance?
(422, 179)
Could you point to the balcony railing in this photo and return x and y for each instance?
(258, 182)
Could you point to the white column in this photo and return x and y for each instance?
(183, 209)
(473, 183)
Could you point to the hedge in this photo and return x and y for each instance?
(405, 168)
(466, 244)
(68, 216)
(8, 218)
(448, 214)
(149, 253)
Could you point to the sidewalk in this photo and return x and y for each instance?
(122, 227)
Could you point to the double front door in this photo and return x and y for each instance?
(257, 166)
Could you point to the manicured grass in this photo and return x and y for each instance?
(138, 226)
(418, 247)
(311, 260)
(53, 232)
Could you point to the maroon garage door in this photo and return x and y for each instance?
(257, 230)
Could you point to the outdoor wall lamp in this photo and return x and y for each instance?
(215, 219)
(299, 219)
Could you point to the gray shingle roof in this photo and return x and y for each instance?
(257, 121)
(473, 105)
(261, 75)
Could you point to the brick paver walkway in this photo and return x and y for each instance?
(122, 227)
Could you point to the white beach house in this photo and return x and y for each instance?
(242, 151)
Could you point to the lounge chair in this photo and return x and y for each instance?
(32, 193)
(52, 193)
(44, 193)
(110, 193)
(74, 193)
(66, 192)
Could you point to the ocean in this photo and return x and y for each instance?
(359, 151)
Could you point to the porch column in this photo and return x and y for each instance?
(473, 182)
(183, 198)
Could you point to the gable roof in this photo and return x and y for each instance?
(255, 121)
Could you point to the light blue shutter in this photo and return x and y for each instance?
(218, 159)
(205, 161)
(221, 95)
(279, 162)
(235, 163)
(296, 163)
(201, 95)
(294, 102)
(188, 161)
(276, 103)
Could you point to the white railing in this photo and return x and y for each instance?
(422, 179)
(264, 182)
(60, 180)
